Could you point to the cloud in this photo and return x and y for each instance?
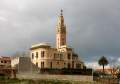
(119, 59)
(92, 25)
(3, 19)
(113, 63)
(95, 65)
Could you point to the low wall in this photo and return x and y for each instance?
(58, 77)
(66, 71)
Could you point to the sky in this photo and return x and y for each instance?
(93, 26)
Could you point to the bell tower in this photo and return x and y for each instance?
(60, 31)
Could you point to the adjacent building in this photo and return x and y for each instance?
(5, 62)
(45, 56)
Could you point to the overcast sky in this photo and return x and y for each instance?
(93, 26)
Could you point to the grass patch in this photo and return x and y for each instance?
(30, 81)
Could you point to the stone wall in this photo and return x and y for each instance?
(58, 77)
(24, 64)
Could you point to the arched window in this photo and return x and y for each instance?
(36, 54)
(42, 54)
(64, 65)
(37, 64)
(69, 55)
(72, 64)
(69, 65)
(42, 65)
(32, 55)
(51, 65)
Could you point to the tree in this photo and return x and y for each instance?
(117, 72)
(103, 62)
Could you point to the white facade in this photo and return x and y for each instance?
(44, 56)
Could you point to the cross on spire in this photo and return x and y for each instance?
(61, 12)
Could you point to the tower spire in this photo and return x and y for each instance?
(61, 31)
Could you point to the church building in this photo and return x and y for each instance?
(61, 56)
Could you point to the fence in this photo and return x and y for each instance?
(106, 80)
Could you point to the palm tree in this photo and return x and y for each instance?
(103, 62)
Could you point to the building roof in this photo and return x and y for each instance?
(40, 45)
(5, 58)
